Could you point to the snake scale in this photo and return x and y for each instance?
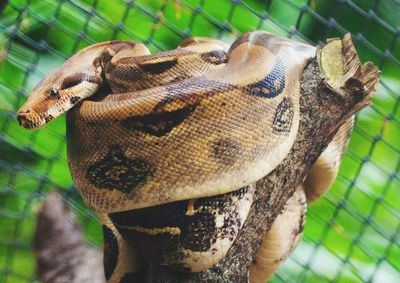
(167, 147)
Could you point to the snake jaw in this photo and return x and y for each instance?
(30, 119)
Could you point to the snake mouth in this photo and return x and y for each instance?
(30, 120)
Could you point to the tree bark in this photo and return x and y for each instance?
(62, 253)
(334, 86)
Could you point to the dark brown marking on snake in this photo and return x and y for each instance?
(225, 150)
(75, 99)
(283, 117)
(48, 118)
(158, 123)
(105, 57)
(28, 124)
(272, 85)
(280, 259)
(117, 46)
(299, 229)
(118, 172)
(188, 41)
(302, 219)
(198, 232)
(215, 57)
(178, 78)
(238, 42)
(77, 78)
(158, 67)
(133, 277)
(111, 252)
(97, 62)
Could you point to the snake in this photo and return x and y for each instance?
(167, 147)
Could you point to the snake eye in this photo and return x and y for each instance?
(53, 92)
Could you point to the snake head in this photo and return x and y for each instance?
(78, 78)
(55, 95)
(59, 92)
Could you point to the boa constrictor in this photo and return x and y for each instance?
(167, 147)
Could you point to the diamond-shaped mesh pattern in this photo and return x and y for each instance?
(351, 235)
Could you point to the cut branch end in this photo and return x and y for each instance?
(342, 70)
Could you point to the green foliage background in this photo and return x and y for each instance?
(351, 235)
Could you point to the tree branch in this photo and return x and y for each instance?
(61, 251)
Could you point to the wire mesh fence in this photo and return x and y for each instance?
(351, 235)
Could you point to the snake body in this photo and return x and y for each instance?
(205, 118)
(167, 147)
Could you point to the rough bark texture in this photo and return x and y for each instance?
(329, 95)
(62, 253)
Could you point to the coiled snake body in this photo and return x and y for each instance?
(167, 147)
